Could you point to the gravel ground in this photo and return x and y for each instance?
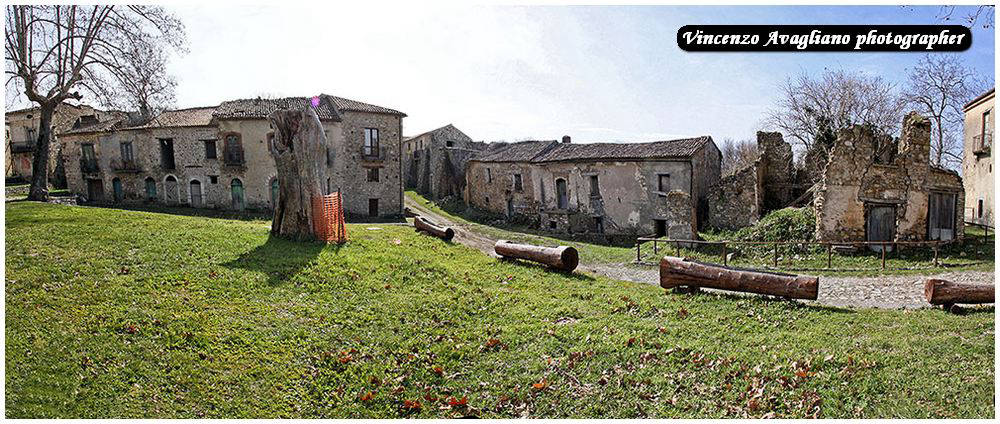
(888, 292)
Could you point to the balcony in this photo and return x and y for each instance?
(22, 146)
(89, 166)
(125, 166)
(372, 153)
(981, 144)
(233, 157)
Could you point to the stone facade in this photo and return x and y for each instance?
(769, 183)
(21, 130)
(434, 162)
(977, 159)
(221, 157)
(601, 188)
(905, 199)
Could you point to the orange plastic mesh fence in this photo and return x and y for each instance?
(328, 218)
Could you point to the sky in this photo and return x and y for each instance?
(596, 73)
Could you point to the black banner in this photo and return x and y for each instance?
(824, 38)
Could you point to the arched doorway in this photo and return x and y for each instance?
(150, 189)
(196, 198)
(236, 187)
(170, 190)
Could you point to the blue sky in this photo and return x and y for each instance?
(510, 73)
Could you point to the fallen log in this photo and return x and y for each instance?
(422, 224)
(563, 258)
(676, 272)
(944, 292)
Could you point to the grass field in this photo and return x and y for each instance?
(114, 313)
(976, 253)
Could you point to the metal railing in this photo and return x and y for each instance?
(122, 165)
(22, 146)
(776, 245)
(982, 143)
(372, 153)
(89, 166)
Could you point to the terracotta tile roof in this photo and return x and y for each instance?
(260, 108)
(552, 151)
(522, 151)
(356, 106)
(191, 117)
(427, 132)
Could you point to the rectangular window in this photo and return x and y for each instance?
(214, 179)
(373, 207)
(167, 153)
(489, 176)
(89, 159)
(987, 134)
(663, 184)
(594, 188)
(126, 147)
(233, 150)
(373, 175)
(517, 182)
(450, 143)
(30, 133)
(371, 142)
(210, 151)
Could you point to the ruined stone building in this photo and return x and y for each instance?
(768, 183)
(657, 188)
(977, 159)
(219, 156)
(21, 131)
(867, 195)
(434, 162)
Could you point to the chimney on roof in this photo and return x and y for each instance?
(566, 139)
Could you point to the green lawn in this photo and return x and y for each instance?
(976, 253)
(114, 313)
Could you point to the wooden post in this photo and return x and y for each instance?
(725, 258)
(656, 250)
(677, 247)
(775, 255)
(564, 258)
(883, 256)
(935, 255)
(638, 243)
(944, 292)
(683, 272)
(829, 256)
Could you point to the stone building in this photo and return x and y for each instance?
(768, 183)
(434, 162)
(867, 195)
(977, 159)
(625, 189)
(219, 156)
(21, 133)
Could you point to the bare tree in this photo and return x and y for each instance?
(737, 154)
(299, 157)
(939, 86)
(970, 16)
(810, 108)
(57, 53)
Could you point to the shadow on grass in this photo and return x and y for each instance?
(796, 303)
(280, 259)
(542, 267)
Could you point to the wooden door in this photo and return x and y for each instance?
(881, 225)
(95, 190)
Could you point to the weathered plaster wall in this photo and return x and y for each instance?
(853, 184)
(977, 162)
(434, 168)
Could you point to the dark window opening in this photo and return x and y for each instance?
(599, 224)
(167, 153)
(373, 175)
(126, 148)
(552, 225)
(663, 183)
(210, 150)
(88, 161)
(449, 143)
(595, 189)
(373, 207)
(562, 196)
(661, 227)
(214, 179)
(980, 213)
(489, 175)
(233, 150)
(487, 201)
(517, 182)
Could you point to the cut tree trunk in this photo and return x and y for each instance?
(422, 224)
(39, 189)
(563, 258)
(298, 150)
(676, 272)
(944, 292)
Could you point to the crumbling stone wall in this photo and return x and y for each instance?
(853, 184)
(768, 183)
(434, 162)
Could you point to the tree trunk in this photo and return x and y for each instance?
(564, 258)
(298, 151)
(422, 224)
(682, 272)
(39, 190)
(944, 292)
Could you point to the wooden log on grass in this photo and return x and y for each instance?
(944, 292)
(422, 224)
(564, 258)
(676, 272)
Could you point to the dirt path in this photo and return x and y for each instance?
(887, 292)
